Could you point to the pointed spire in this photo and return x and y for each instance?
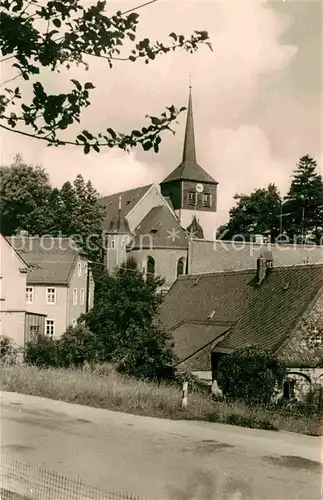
(189, 153)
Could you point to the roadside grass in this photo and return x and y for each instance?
(103, 387)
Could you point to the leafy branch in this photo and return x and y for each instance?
(70, 34)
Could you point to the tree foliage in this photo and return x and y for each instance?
(24, 192)
(29, 203)
(123, 317)
(78, 345)
(37, 36)
(251, 375)
(296, 218)
(120, 328)
(304, 202)
(257, 213)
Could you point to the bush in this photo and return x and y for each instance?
(8, 351)
(145, 353)
(250, 375)
(77, 346)
(43, 352)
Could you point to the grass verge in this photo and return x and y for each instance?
(105, 388)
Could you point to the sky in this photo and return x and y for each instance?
(257, 98)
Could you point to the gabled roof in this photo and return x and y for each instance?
(194, 341)
(264, 315)
(50, 260)
(129, 199)
(5, 241)
(159, 229)
(189, 169)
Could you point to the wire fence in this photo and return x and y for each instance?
(23, 480)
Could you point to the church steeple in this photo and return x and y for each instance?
(189, 151)
(190, 188)
(189, 169)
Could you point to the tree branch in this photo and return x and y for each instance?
(11, 79)
(138, 7)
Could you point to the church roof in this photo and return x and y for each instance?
(159, 229)
(195, 229)
(129, 198)
(189, 169)
(119, 224)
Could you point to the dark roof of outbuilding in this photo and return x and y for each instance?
(160, 229)
(264, 315)
(50, 260)
(194, 341)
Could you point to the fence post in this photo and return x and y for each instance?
(184, 395)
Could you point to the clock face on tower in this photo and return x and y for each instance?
(199, 188)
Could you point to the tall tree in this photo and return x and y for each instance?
(80, 215)
(37, 36)
(24, 191)
(123, 318)
(28, 202)
(257, 213)
(304, 202)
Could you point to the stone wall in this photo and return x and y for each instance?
(305, 345)
(305, 380)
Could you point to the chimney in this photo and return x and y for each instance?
(264, 265)
(261, 270)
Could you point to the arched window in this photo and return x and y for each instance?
(150, 266)
(180, 266)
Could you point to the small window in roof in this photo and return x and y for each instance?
(212, 313)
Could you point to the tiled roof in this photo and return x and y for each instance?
(263, 315)
(189, 170)
(51, 260)
(193, 343)
(128, 201)
(161, 228)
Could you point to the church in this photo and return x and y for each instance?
(155, 223)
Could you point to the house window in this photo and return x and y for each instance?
(29, 294)
(85, 268)
(180, 266)
(288, 390)
(75, 296)
(49, 327)
(150, 266)
(34, 331)
(51, 295)
(192, 198)
(79, 269)
(206, 200)
(82, 296)
(112, 243)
